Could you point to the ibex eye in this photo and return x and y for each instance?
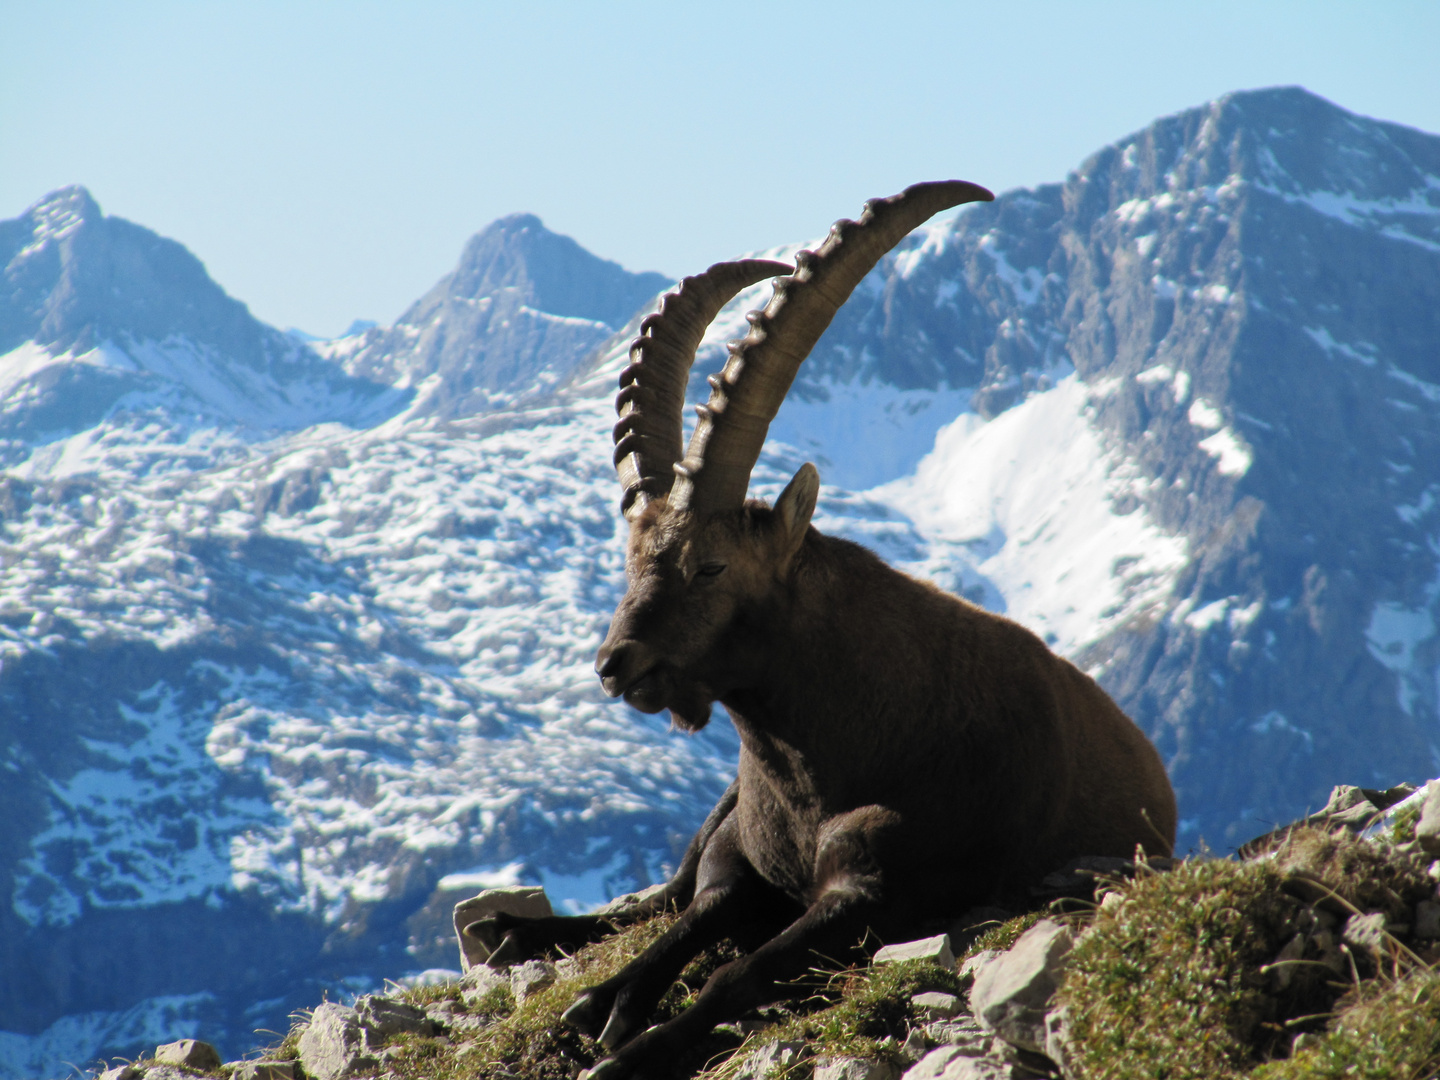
(710, 570)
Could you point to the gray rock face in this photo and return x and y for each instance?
(953, 1063)
(1427, 828)
(264, 1070)
(1012, 995)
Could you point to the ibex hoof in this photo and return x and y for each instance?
(586, 1014)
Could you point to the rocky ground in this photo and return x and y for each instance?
(1314, 952)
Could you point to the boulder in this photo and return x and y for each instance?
(189, 1053)
(1012, 995)
(333, 1044)
(971, 966)
(935, 949)
(527, 901)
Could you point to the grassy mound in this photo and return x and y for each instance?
(1210, 971)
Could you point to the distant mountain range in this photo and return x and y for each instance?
(296, 637)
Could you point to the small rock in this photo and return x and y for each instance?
(263, 1070)
(1303, 1041)
(122, 1072)
(829, 1068)
(167, 1072)
(935, 1005)
(530, 978)
(935, 949)
(191, 1053)
(383, 1017)
(1059, 1047)
(776, 1055)
(952, 1063)
(1427, 829)
(1427, 919)
(528, 901)
(971, 966)
(333, 1044)
(1010, 996)
(1365, 932)
(1112, 900)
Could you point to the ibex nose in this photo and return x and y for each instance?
(609, 659)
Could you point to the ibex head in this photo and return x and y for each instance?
(706, 569)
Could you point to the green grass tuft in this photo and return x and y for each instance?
(1389, 1032)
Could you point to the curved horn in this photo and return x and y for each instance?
(747, 394)
(651, 401)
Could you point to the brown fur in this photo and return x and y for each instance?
(904, 754)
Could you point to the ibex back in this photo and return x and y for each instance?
(904, 754)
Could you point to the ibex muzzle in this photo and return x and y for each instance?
(904, 754)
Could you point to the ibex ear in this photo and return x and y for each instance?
(794, 507)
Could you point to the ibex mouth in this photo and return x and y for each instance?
(646, 693)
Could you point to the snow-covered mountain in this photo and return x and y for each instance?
(297, 641)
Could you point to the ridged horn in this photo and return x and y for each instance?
(651, 402)
(715, 472)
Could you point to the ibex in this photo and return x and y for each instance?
(904, 754)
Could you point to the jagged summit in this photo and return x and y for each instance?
(553, 272)
(514, 318)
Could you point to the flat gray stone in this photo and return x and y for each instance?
(935, 1005)
(1012, 995)
(122, 1072)
(528, 901)
(832, 1068)
(191, 1053)
(935, 949)
(333, 1044)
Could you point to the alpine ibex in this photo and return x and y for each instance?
(904, 754)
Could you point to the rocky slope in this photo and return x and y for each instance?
(296, 641)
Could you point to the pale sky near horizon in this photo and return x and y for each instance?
(328, 160)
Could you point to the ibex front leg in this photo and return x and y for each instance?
(730, 900)
(849, 901)
(510, 939)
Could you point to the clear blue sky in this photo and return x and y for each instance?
(328, 160)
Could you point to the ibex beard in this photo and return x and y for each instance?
(904, 753)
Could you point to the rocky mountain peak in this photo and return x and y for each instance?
(520, 311)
